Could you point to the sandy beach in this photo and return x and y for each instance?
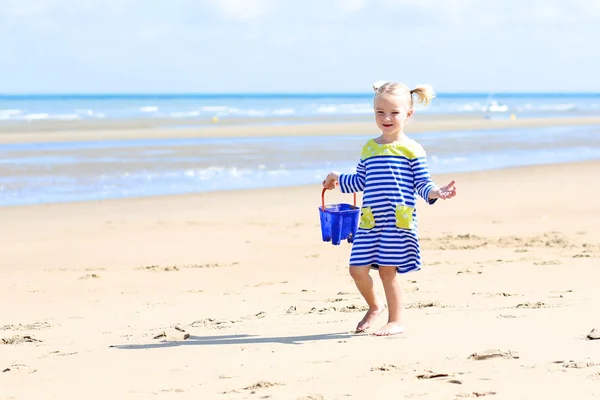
(92, 295)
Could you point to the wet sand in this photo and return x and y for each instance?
(51, 131)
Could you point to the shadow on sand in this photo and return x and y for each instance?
(235, 339)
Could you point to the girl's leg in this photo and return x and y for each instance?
(364, 283)
(391, 285)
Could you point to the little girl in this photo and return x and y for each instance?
(392, 170)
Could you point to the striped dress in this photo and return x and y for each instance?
(390, 177)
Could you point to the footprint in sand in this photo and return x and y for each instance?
(213, 323)
(89, 276)
(19, 368)
(475, 394)
(18, 339)
(509, 316)
(59, 354)
(26, 327)
(498, 294)
(158, 268)
(493, 353)
(593, 335)
(551, 262)
(432, 375)
(175, 334)
(346, 309)
(255, 387)
(425, 304)
(469, 272)
(336, 300)
(528, 304)
(386, 368)
(291, 310)
(576, 364)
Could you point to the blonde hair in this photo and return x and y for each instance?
(424, 93)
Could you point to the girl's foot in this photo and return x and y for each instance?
(369, 317)
(391, 328)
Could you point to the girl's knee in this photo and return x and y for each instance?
(387, 273)
(358, 273)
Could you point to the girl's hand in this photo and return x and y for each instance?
(445, 192)
(331, 181)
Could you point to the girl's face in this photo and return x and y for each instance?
(391, 113)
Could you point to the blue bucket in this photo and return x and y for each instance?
(338, 221)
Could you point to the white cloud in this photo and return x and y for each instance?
(502, 11)
(241, 9)
(192, 44)
(351, 5)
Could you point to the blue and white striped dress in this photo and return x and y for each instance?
(390, 177)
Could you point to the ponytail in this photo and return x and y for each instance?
(424, 94)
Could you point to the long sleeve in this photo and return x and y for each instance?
(352, 183)
(422, 178)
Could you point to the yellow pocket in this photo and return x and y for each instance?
(404, 216)
(367, 220)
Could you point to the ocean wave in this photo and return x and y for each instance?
(275, 106)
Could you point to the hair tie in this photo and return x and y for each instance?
(378, 84)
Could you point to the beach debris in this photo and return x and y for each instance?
(19, 339)
(493, 353)
(594, 334)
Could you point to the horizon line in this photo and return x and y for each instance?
(279, 94)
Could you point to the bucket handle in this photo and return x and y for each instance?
(323, 198)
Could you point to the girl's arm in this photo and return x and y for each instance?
(423, 183)
(349, 183)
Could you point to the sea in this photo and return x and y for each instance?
(49, 172)
(177, 106)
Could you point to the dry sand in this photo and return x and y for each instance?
(511, 266)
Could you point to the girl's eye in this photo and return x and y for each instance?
(396, 113)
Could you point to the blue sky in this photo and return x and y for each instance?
(92, 46)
